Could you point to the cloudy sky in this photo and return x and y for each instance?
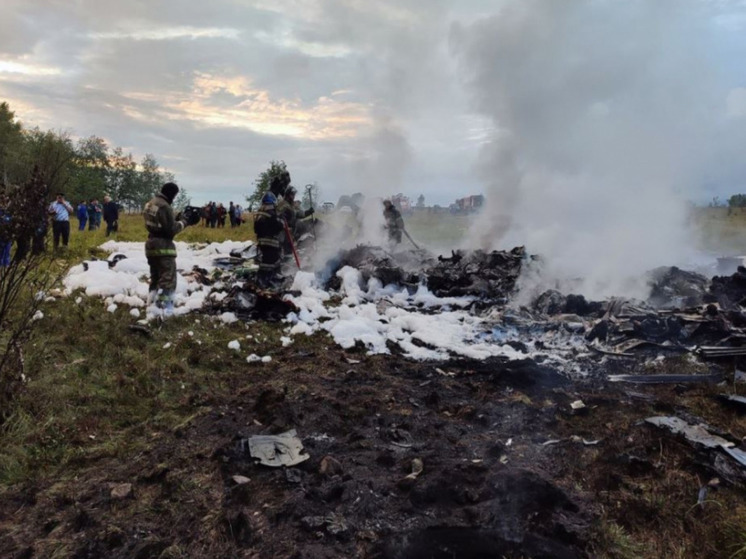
(379, 96)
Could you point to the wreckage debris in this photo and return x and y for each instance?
(276, 451)
(666, 379)
(250, 302)
(491, 276)
(729, 291)
(738, 402)
(673, 288)
(699, 435)
(718, 352)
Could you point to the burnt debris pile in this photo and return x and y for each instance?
(729, 292)
(397, 268)
(247, 301)
(673, 288)
(489, 276)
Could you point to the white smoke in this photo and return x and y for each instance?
(607, 115)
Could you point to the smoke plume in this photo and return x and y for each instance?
(606, 116)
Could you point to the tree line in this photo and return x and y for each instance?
(83, 169)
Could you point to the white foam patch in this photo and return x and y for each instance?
(380, 316)
(126, 282)
(422, 325)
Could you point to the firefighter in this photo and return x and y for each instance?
(160, 249)
(394, 222)
(287, 210)
(267, 227)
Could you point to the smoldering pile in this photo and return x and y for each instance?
(489, 276)
(435, 307)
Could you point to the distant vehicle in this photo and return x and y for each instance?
(327, 207)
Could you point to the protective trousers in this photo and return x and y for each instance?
(162, 280)
(269, 263)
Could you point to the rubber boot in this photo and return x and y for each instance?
(167, 303)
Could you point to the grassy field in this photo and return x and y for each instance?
(720, 230)
(102, 402)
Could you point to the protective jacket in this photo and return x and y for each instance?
(287, 210)
(267, 222)
(162, 227)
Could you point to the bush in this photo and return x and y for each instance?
(27, 272)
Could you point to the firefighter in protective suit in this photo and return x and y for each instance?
(160, 249)
(287, 211)
(394, 222)
(267, 227)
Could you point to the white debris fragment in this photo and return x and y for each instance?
(577, 405)
(190, 333)
(234, 345)
(267, 359)
(228, 318)
(135, 313)
(286, 341)
(38, 315)
(253, 358)
(111, 308)
(78, 300)
(167, 345)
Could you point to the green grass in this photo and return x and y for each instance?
(96, 389)
(720, 230)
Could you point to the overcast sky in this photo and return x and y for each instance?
(369, 95)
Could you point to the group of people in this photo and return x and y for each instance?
(59, 212)
(93, 213)
(214, 215)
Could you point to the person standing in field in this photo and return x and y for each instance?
(232, 214)
(213, 215)
(82, 213)
(160, 249)
(99, 211)
(394, 222)
(267, 227)
(111, 215)
(60, 211)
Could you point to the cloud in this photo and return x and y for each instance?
(15, 67)
(232, 101)
(138, 33)
(262, 79)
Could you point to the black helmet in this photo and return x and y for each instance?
(290, 192)
(279, 183)
(170, 190)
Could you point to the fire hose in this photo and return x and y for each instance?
(410, 239)
(290, 241)
(309, 189)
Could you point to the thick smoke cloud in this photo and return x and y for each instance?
(608, 115)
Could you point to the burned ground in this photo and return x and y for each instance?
(509, 468)
(142, 454)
